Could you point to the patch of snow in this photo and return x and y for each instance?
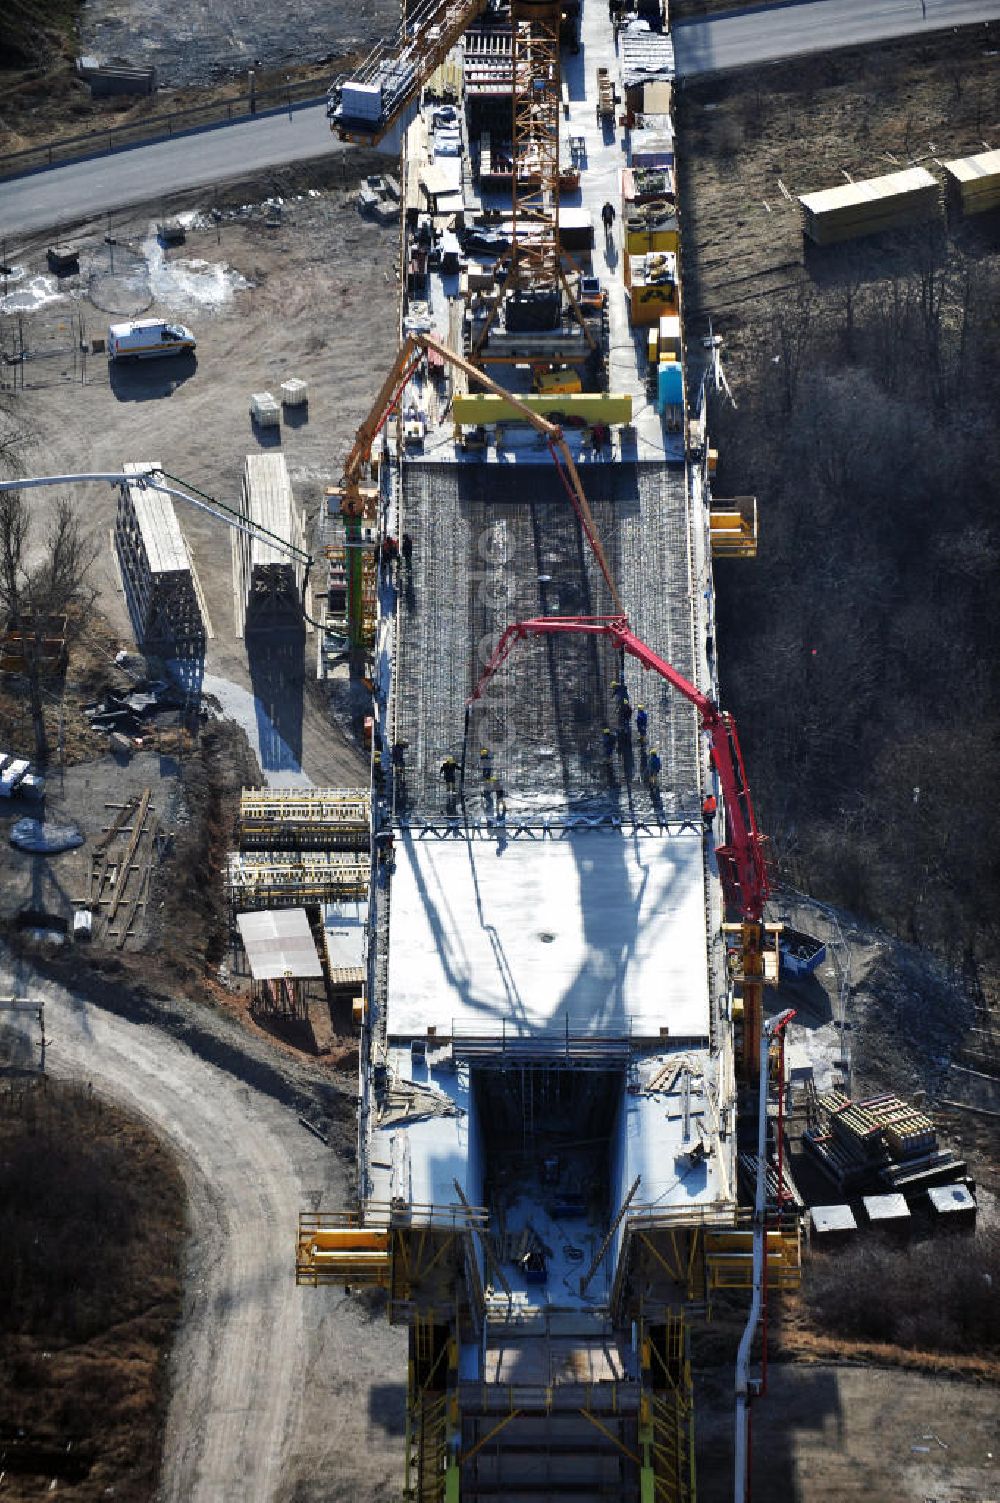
(34, 294)
(185, 282)
(278, 763)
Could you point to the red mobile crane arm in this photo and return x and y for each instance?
(741, 861)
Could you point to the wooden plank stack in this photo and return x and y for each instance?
(851, 210)
(973, 183)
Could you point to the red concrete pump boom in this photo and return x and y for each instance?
(741, 860)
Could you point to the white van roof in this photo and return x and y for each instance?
(119, 331)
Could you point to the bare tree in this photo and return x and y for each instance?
(11, 438)
(45, 595)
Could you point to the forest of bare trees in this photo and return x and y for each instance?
(859, 652)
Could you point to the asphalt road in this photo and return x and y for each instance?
(64, 195)
(742, 39)
(759, 36)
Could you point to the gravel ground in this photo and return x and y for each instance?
(853, 1433)
(260, 1367)
(314, 298)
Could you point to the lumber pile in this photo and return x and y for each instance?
(973, 183)
(851, 210)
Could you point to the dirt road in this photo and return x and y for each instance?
(246, 1418)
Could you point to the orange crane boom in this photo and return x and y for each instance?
(411, 352)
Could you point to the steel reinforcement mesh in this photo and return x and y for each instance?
(496, 544)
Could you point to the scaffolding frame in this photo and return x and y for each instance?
(281, 879)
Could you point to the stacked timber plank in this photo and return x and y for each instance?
(851, 210)
(299, 846)
(973, 183)
(878, 1144)
(157, 572)
(267, 580)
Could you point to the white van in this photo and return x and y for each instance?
(148, 337)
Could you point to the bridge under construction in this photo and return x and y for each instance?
(563, 1027)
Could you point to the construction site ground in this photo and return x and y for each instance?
(86, 1343)
(257, 1370)
(312, 296)
(752, 142)
(273, 1392)
(809, 124)
(277, 1393)
(848, 1432)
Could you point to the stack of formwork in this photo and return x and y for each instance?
(306, 848)
(41, 642)
(973, 183)
(157, 572)
(282, 879)
(300, 845)
(267, 579)
(489, 78)
(880, 1143)
(851, 210)
(315, 819)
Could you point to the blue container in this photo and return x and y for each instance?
(669, 386)
(801, 953)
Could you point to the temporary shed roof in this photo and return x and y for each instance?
(646, 56)
(346, 924)
(279, 943)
